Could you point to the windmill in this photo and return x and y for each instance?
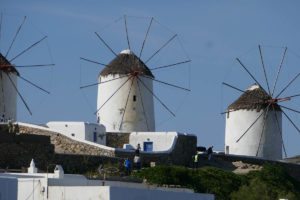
(10, 73)
(254, 120)
(125, 101)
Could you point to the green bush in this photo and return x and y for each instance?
(272, 182)
(216, 181)
(205, 180)
(165, 175)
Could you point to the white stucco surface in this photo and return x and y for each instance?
(265, 144)
(162, 141)
(80, 130)
(79, 193)
(120, 193)
(139, 113)
(18, 187)
(8, 96)
(76, 187)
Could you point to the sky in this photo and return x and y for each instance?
(210, 33)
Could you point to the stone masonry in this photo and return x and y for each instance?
(50, 148)
(65, 145)
(117, 140)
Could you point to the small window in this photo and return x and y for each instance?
(95, 136)
(73, 134)
(134, 97)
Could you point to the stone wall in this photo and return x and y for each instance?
(185, 148)
(23, 138)
(84, 163)
(117, 140)
(50, 148)
(16, 156)
(65, 145)
(18, 150)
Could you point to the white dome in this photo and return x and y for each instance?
(253, 87)
(126, 51)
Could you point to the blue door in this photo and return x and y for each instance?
(148, 146)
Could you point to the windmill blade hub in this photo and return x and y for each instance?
(6, 66)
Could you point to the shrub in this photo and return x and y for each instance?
(216, 181)
(165, 175)
(272, 182)
(206, 180)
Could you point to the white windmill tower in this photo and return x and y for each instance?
(8, 92)
(132, 108)
(254, 120)
(125, 101)
(9, 76)
(263, 139)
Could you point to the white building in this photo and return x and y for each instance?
(8, 93)
(125, 101)
(248, 132)
(80, 130)
(60, 186)
(154, 141)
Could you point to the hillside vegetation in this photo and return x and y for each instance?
(272, 182)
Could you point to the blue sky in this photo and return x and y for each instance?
(213, 34)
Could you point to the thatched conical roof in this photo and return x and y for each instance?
(255, 98)
(125, 63)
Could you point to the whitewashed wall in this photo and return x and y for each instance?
(120, 193)
(238, 122)
(100, 130)
(8, 96)
(32, 189)
(79, 193)
(18, 188)
(80, 130)
(135, 119)
(162, 141)
(8, 188)
(76, 187)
